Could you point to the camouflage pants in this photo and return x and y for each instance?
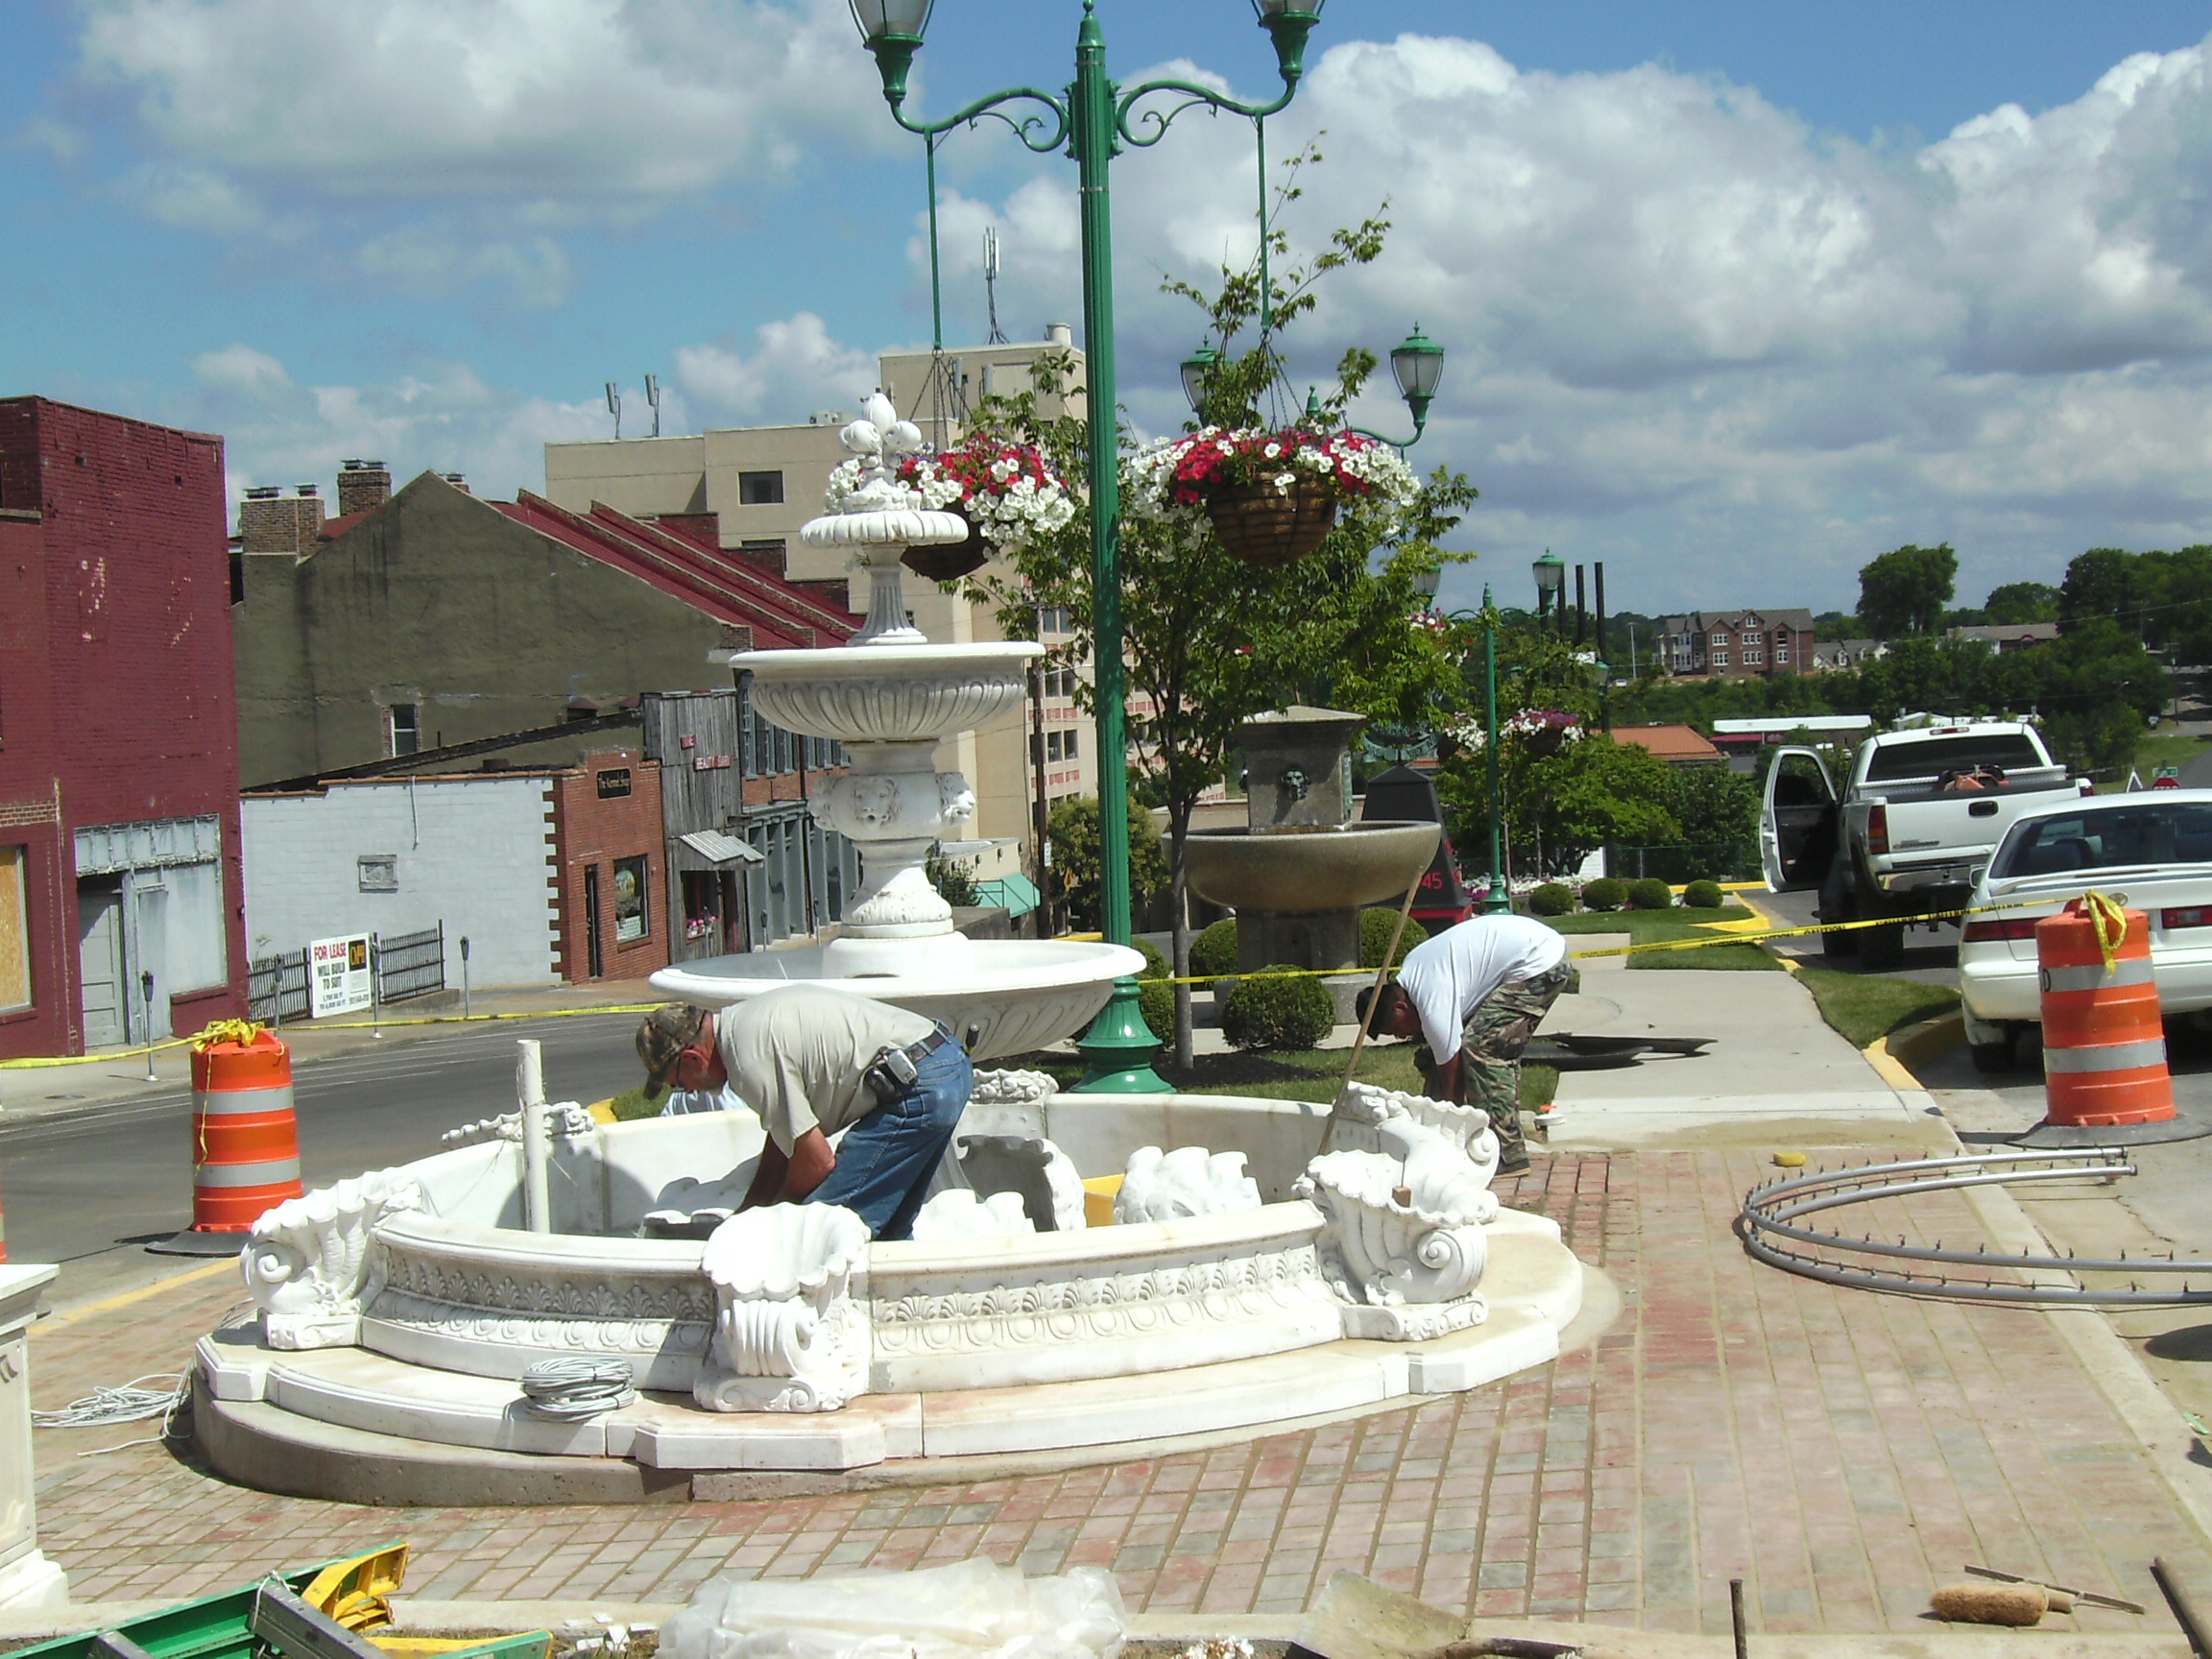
(1490, 1049)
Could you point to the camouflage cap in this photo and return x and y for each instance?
(662, 1036)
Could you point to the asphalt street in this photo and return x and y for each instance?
(87, 1188)
(1931, 957)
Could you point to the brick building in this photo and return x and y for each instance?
(1737, 644)
(119, 846)
(610, 919)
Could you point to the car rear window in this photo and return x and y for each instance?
(1938, 754)
(2110, 837)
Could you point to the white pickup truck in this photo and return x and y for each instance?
(1922, 812)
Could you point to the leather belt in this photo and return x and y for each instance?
(929, 1045)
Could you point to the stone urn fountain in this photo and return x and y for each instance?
(890, 697)
(1300, 870)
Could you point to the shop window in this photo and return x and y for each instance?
(15, 931)
(633, 909)
(760, 489)
(702, 904)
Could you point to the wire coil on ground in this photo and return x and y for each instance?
(1768, 1224)
(573, 1390)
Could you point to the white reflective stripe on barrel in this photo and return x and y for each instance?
(266, 1174)
(2106, 1057)
(220, 1103)
(2094, 977)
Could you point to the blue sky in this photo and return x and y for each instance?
(1736, 295)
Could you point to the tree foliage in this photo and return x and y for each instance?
(2017, 602)
(1072, 829)
(1905, 591)
(1210, 641)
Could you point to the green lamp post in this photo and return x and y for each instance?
(1092, 118)
(1550, 573)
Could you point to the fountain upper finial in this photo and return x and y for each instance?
(880, 517)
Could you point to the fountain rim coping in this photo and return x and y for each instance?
(420, 1233)
(884, 660)
(1287, 831)
(1042, 976)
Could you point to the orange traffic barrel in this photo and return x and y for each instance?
(2105, 1074)
(245, 1137)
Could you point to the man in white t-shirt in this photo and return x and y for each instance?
(814, 1062)
(1477, 992)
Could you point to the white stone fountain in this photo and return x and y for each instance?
(890, 697)
(1087, 1258)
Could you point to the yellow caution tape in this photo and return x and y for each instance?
(2111, 922)
(239, 1031)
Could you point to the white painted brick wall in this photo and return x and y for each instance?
(473, 853)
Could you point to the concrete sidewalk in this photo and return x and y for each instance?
(1776, 1073)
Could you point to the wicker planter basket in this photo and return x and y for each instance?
(1265, 527)
(950, 561)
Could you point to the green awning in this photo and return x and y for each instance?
(1016, 895)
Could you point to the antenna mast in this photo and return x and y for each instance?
(615, 407)
(997, 336)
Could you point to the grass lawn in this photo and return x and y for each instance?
(1653, 927)
(2153, 749)
(1863, 1007)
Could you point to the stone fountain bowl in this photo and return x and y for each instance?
(890, 693)
(999, 997)
(1309, 867)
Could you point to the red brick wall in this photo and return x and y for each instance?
(131, 631)
(588, 831)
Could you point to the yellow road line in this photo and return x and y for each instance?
(144, 1293)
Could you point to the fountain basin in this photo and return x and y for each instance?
(890, 693)
(999, 997)
(1308, 866)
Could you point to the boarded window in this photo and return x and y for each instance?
(15, 931)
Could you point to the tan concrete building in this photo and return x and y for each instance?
(763, 483)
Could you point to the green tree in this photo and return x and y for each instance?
(1072, 829)
(2103, 584)
(1716, 808)
(1905, 591)
(1210, 641)
(2016, 602)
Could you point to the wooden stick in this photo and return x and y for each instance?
(2091, 1595)
(1382, 977)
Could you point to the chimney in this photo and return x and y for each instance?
(362, 485)
(458, 480)
(1059, 334)
(270, 522)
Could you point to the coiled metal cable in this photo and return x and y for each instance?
(572, 1390)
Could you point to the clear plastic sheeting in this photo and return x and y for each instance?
(973, 1609)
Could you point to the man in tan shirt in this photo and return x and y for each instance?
(812, 1062)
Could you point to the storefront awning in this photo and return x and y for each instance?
(716, 848)
(1016, 895)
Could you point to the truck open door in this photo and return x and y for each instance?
(1797, 824)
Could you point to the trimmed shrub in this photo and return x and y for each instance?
(1704, 896)
(1650, 893)
(1155, 996)
(1603, 894)
(1278, 1007)
(1553, 899)
(1374, 929)
(1213, 953)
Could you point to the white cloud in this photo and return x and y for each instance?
(795, 369)
(1731, 356)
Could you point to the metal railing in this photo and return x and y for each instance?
(411, 964)
(276, 988)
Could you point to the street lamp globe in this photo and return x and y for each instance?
(1195, 369)
(891, 29)
(1287, 23)
(1418, 365)
(1428, 582)
(1550, 573)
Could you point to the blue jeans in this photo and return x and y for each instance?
(885, 1162)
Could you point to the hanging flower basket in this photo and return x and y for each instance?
(1542, 732)
(1268, 527)
(950, 561)
(1271, 498)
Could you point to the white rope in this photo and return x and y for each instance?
(131, 1403)
(572, 1390)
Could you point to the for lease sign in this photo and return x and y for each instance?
(338, 976)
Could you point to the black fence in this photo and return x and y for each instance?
(411, 964)
(276, 988)
(1684, 862)
(407, 965)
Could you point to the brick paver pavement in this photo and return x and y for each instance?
(1842, 1452)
